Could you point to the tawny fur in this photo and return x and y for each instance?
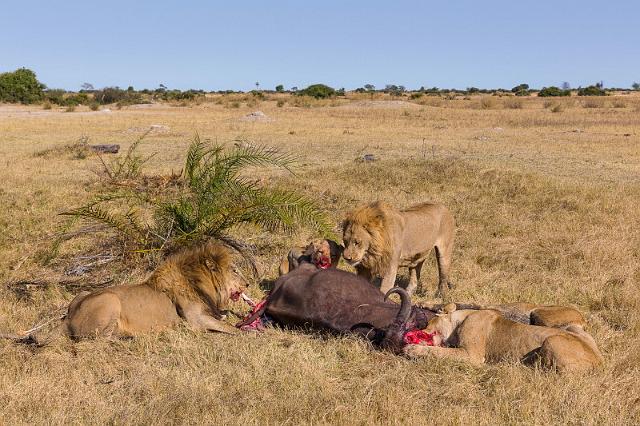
(479, 336)
(194, 284)
(308, 253)
(526, 313)
(378, 239)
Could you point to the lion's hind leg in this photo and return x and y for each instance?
(443, 257)
(567, 352)
(95, 315)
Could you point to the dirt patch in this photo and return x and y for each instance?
(381, 104)
(256, 116)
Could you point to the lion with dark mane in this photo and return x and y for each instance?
(194, 284)
(378, 239)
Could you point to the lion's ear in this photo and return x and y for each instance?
(335, 247)
(210, 264)
(449, 308)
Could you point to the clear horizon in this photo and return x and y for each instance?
(220, 46)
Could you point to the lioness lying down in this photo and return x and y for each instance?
(194, 284)
(480, 336)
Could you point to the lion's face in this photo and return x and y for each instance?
(319, 251)
(441, 327)
(356, 243)
(237, 283)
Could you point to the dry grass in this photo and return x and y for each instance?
(488, 102)
(547, 212)
(593, 103)
(513, 103)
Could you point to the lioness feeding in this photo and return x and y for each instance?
(378, 239)
(322, 253)
(480, 336)
(194, 284)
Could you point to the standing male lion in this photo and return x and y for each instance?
(379, 238)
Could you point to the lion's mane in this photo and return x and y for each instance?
(375, 219)
(193, 271)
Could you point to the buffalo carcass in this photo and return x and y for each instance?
(341, 302)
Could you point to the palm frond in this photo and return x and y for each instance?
(286, 211)
(247, 154)
(218, 196)
(122, 223)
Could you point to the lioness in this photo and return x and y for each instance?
(480, 336)
(322, 253)
(194, 284)
(526, 313)
(378, 239)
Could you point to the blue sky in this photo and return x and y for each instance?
(230, 45)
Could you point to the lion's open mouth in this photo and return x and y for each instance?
(322, 262)
(235, 295)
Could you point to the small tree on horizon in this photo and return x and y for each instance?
(21, 86)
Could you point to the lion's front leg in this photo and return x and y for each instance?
(389, 279)
(194, 313)
(459, 354)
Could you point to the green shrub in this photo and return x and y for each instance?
(112, 95)
(62, 98)
(279, 88)
(211, 197)
(318, 91)
(521, 90)
(77, 99)
(166, 95)
(20, 86)
(258, 94)
(591, 91)
(55, 96)
(553, 91)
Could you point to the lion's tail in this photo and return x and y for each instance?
(37, 338)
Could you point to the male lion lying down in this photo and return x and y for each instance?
(480, 336)
(194, 284)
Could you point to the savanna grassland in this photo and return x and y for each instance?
(546, 196)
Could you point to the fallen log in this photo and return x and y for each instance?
(105, 149)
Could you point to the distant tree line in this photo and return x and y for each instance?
(22, 86)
